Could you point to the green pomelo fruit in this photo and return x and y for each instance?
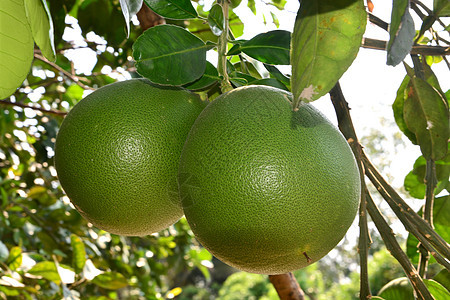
(117, 155)
(266, 189)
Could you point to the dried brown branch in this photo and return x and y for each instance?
(148, 18)
(347, 129)
(394, 248)
(430, 240)
(287, 287)
(403, 211)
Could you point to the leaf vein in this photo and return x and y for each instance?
(174, 53)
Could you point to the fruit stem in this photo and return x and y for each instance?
(222, 49)
(287, 286)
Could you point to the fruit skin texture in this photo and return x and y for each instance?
(265, 189)
(117, 155)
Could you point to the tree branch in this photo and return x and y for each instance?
(416, 49)
(74, 78)
(394, 248)
(346, 126)
(427, 10)
(148, 18)
(403, 211)
(377, 21)
(46, 111)
(287, 287)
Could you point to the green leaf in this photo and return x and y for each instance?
(48, 244)
(280, 4)
(441, 221)
(247, 68)
(37, 191)
(46, 269)
(236, 25)
(235, 3)
(41, 194)
(443, 277)
(275, 73)
(271, 47)
(326, 39)
(415, 180)
(397, 107)
(102, 17)
(210, 77)
(79, 253)
(436, 289)
(216, 20)
(110, 281)
(73, 94)
(16, 46)
(4, 199)
(252, 5)
(173, 9)
(398, 289)
(236, 49)
(202, 30)
(242, 78)
(271, 82)
(401, 32)
(15, 258)
(41, 24)
(4, 252)
(431, 78)
(441, 8)
(426, 115)
(129, 9)
(275, 19)
(402, 95)
(237, 82)
(171, 55)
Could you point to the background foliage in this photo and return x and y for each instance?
(47, 251)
